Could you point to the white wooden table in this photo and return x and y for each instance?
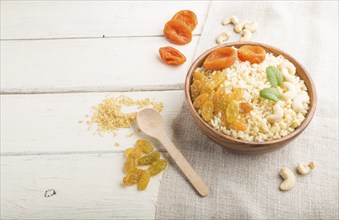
(59, 58)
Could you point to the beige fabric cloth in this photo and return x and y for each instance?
(247, 187)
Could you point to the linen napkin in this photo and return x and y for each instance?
(247, 187)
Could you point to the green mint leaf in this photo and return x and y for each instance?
(271, 94)
(271, 76)
(275, 92)
(279, 77)
(274, 76)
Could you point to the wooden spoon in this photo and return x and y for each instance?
(151, 123)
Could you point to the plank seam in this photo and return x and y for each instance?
(86, 38)
(37, 153)
(174, 87)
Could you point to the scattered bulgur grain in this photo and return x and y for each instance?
(130, 135)
(116, 144)
(109, 117)
(80, 122)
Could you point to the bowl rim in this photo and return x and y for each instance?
(296, 132)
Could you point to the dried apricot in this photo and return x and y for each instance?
(199, 101)
(207, 110)
(245, 108)
(177, 32)
(147, 160)
(144, 146)
(220, 58)
(144, 179)
(157, 167)
(239, 125)
(232, 112)
(196, 88)
(132, 177)
(252, 54)
(171, 56)
(188, 17)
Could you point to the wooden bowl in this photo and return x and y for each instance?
(248, 147)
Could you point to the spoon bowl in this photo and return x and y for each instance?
(151, 123)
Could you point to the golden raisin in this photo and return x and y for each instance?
(144, 179)
(224, 119)
(157, 167)
(132, 177)
(207, 110)
(199, 101)
(232, 112)
(196, 88)
(130, 164)
(213, 83)
(147, 160)
(238, 94)
(218, 79)
(229, 98)
(135, 152)
(207, 87)
(144, 146)
(199, 76)
(220, 100)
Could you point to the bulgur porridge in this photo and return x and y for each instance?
(249, 94)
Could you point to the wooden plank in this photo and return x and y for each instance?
(49, 123)
(114, 64)
(73, 19)
(87, 187)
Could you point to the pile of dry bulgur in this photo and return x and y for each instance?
(108, 115)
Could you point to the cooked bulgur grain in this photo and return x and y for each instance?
(251, 78)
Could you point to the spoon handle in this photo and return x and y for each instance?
(184, 166)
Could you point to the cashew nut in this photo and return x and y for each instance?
(233, 19)
(288, 77)
(224, 36)
(239, 27)
(247, 35)
(304, 168)
(289, 179)
(289, 66)
(226, 21)
(311, 164)
(298, 101)
(292, 91)
(251, 26)
(278, 113)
